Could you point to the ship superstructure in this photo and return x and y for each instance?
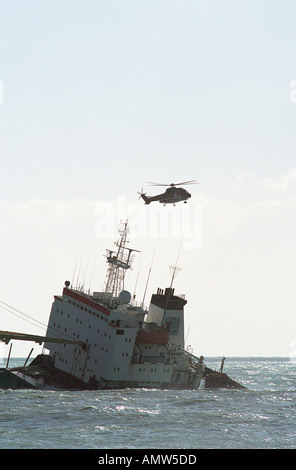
(103, 341)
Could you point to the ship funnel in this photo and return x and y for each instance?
(167, 310)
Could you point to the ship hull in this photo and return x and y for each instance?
(41, 375)
(10, 380)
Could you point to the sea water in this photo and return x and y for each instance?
(259, 417)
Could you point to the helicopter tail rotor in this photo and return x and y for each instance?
(144, 197)
(141, 194)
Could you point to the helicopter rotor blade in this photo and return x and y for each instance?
(173, 184)
(187, 182)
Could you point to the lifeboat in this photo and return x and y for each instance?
(155, 336)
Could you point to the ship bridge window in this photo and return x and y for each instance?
(120, 332)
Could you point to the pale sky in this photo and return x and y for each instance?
(97, 97)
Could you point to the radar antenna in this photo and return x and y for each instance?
(119, 262)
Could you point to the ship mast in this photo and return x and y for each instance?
(118, 262)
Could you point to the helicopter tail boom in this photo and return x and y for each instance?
(146, 198)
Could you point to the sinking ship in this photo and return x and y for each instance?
(104, 340)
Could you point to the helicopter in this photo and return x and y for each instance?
(172, 194)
